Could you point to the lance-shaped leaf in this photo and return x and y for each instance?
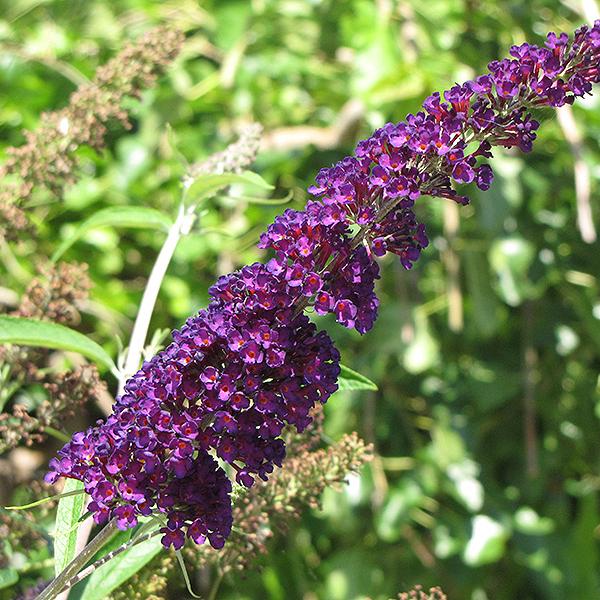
(261, 200)
(133, 217)
(119, 569)
(351, 380)
(207, 185)
(68, 514)
(45, 334)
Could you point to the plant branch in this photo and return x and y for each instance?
(101, 561)
(83, 534)
(180, 227)
(60, 581)
(212, 595)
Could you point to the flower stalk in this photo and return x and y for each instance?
(181, 227)
(87, 571)
(61, 582)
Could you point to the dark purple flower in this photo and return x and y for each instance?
(345, 312)
(312, 284)
(174, 538)
(463, 172)
(252, 363)
(125, 516)
(379, 246)
(197, 532)
(484, 177)
(244, 478)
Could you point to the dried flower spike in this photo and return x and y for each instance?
(47, 159)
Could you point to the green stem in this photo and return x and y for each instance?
(212, 595)
(59, 583)
(180, 227)
(55, 433)
(104, 559)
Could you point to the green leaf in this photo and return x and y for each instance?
(585, 312)
(528, 521)
(8, 577)
(119, 569)
(447, 446)
(351, 380)
(511, 259)
(44, 500)
(581, 549)
(207, 185)
(65, 528)
(137, 217)
(186, 577)
(45, 334)
(260, 200)
(423, 351)
(487, 543)
(467, 489)
(396, 511)
(485, 303)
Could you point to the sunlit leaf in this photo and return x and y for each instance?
(65, 529)
(206, 185)
(487, 543)
(511, 258)
(351, 380)
(528, 521)
(261, 200)
(45, 334)
(423, 350)
(467, 488)
(132, 217)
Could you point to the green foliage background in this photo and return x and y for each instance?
(452, 498)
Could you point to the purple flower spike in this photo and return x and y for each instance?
(252, 363)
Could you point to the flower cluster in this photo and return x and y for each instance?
(233, 376)
(316, 257)
(234, 159)
(418, 593)
(444, 145)
(252, 362)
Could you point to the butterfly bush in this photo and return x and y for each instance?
(211, 407)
